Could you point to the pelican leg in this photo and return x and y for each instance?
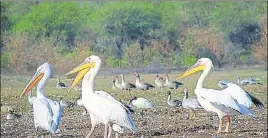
(194, 113)
(91, 131)
(110, 131)
(105, 131)
(228, 123)
(116, 135)
(220, 126)
(36, 131)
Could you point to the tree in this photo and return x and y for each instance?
(214, 41)
(61, 21)
(260, 48)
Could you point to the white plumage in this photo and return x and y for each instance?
(242, 97)
(47, 113)
(220, 102)
(106, 110)
(141, 103)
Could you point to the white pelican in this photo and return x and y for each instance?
(105, 109)
(243, 98)
(220, 102)
(47, 113)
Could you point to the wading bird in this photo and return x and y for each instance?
(60, 85)
(172, 84)
(141, 85)
(159, 81)
(108, 110)
(173, 102)
(126, 85)
(190, 104)
(220, 102)
(47, 113)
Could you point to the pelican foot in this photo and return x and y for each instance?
(226, 131)
(219, 132)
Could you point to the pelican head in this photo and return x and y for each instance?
(43, 71)
(91, 64)
(157, 75)
(185, 90)
(201, 64)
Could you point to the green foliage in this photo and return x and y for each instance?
(59, 20)
(151, 31)
(5, 59)
(112, 62)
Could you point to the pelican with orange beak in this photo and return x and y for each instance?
(220, 102)
(47, 113)
(99, 104)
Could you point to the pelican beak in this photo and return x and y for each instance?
(36, 78)
(195, 68)
(82, 69)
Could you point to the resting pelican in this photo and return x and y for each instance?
(220, 102)
(107, 110)
(243, 98)
(47, 113)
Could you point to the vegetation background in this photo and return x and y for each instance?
(150, 36)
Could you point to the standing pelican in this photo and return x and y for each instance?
(47, 113)
(107, 110)
(220, 102)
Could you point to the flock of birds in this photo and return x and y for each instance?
(116, 116)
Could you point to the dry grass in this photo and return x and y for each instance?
(165, 123)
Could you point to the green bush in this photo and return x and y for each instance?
(5, 59)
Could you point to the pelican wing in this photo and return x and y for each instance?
(42, 113)
(56, 112)
(239, 94)
(114, 110)
(256, 101)
(223, 101)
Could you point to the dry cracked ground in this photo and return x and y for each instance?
(165, 122)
